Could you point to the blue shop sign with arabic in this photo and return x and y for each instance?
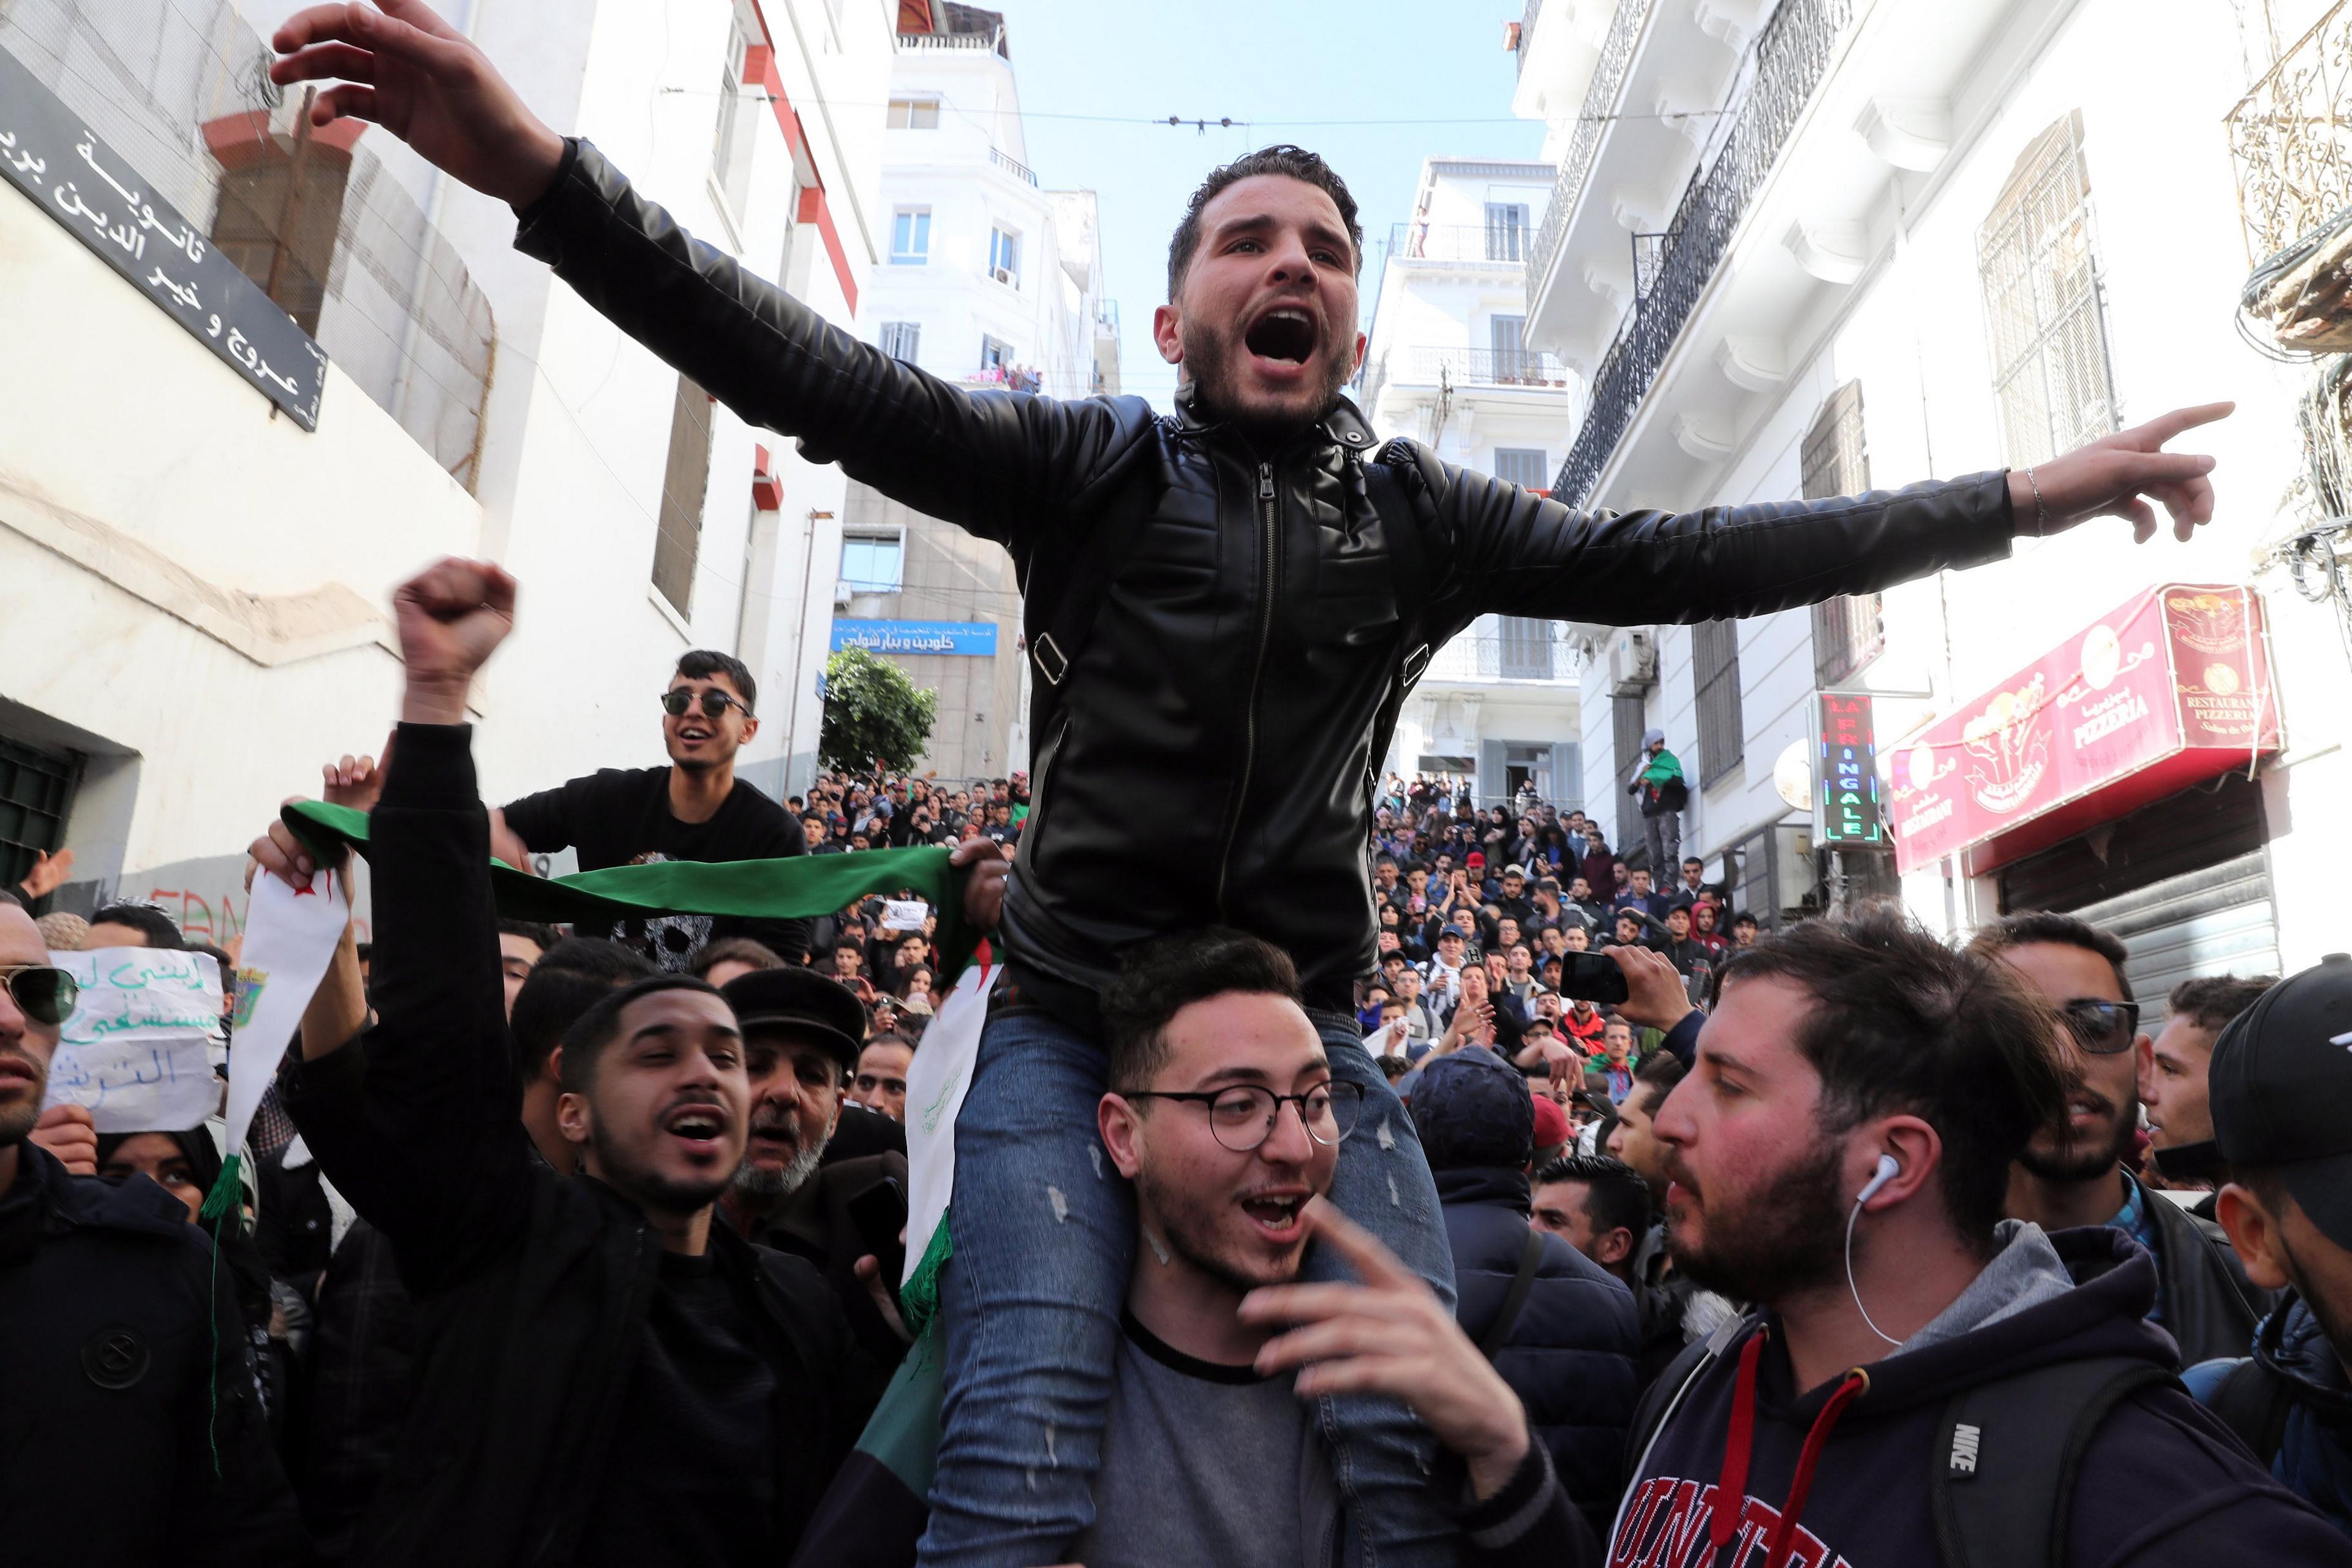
(49, 154)
(975, 639)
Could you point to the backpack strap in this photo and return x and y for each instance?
(2255, 1402)
(2006, 1453)
(1059, 602)
(1514, 1300)
(1402, 533)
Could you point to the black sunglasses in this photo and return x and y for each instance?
(676, 701)
(2101, 1027)
(43, 994)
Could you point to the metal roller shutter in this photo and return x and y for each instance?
(2218, 920)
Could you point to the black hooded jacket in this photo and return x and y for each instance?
(1237, 666)
(2162, 1483)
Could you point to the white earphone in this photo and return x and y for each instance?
(1889, 1167)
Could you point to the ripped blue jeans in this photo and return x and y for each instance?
(1044, 1234)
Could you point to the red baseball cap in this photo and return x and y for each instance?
(1475, 859)
(1551, 1122)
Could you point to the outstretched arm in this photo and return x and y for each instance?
(1510, 551)
(996, 463)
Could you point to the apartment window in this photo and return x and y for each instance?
(1004, 256)
(1509, 336)
(36, 792)
(1526, 466)
(2048, 326)
(731, 153)
(1506, 231)
(910, 236)
(902, 340)
(1849, 630)
(678, 538)
(1526, 648)
(995, 353)
(1628, 720)
(872, 562)
(914, 114)
(1715, 680)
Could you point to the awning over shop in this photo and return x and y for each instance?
(2172, 689)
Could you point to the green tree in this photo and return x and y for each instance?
(872, 712)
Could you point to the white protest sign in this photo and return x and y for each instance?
(290, 934)
(135, 1051)
(904, 914)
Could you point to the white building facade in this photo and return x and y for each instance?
(991, 280)
(236, 601)
(1811, 248)
(1447, 363)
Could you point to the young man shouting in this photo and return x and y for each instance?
(606, 1376)
(1839, 1154)
(1277, 589)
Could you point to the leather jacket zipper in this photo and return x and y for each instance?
(1268, 526)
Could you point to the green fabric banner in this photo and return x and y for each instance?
(799, 888)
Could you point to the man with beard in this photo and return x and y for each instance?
(606, 1377)
(800, 1034)
(2077, 1169)
(1227, 608)
(122, 1333)
(2279, 1081)
(1923, 1380)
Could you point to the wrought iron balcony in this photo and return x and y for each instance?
(1792, 54)
(1527, 32)
(1018, 170)
(2291, 139)
(1499, 245)
(1518, 650)
(1484, 367)
(1600, 103)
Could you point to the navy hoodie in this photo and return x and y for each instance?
(2162, 1483)
(2315, 1456)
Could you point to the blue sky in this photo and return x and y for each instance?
(1276, 63)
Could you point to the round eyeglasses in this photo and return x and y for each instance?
(1243, 1116)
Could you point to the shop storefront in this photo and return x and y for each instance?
(2114, 778)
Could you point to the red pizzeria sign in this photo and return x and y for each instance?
(2172, 689)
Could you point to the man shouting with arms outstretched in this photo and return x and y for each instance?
(1225, 606)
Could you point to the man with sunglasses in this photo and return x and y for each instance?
(694, 809)
(2077, 1172)
(123, 1342)
(1223, 1115)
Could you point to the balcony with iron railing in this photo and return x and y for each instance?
(989, 39)
(1467, 244)
(1792, 56)
(2290, 140)
(1527, 31)
(1593, 118)
(1013, 167)
(1525, 650)
(1482, 367)
(1017, 377)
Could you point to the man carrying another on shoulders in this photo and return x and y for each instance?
(1224, 1113)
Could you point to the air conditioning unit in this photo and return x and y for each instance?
(1632, 663)
(842, 593)
(1003, 275)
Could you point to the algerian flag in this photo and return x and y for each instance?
(290, 937)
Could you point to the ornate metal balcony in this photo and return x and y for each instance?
(1600, 103)
(1468, 244)
(2291, 139)
(1792, 55)
(1485, 367)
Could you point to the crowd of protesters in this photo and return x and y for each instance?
(1646, 1200)
(555, 1251)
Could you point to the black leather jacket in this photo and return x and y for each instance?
(1211, 761)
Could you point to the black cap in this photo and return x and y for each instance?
(803, 1001)
(2280, 1077)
